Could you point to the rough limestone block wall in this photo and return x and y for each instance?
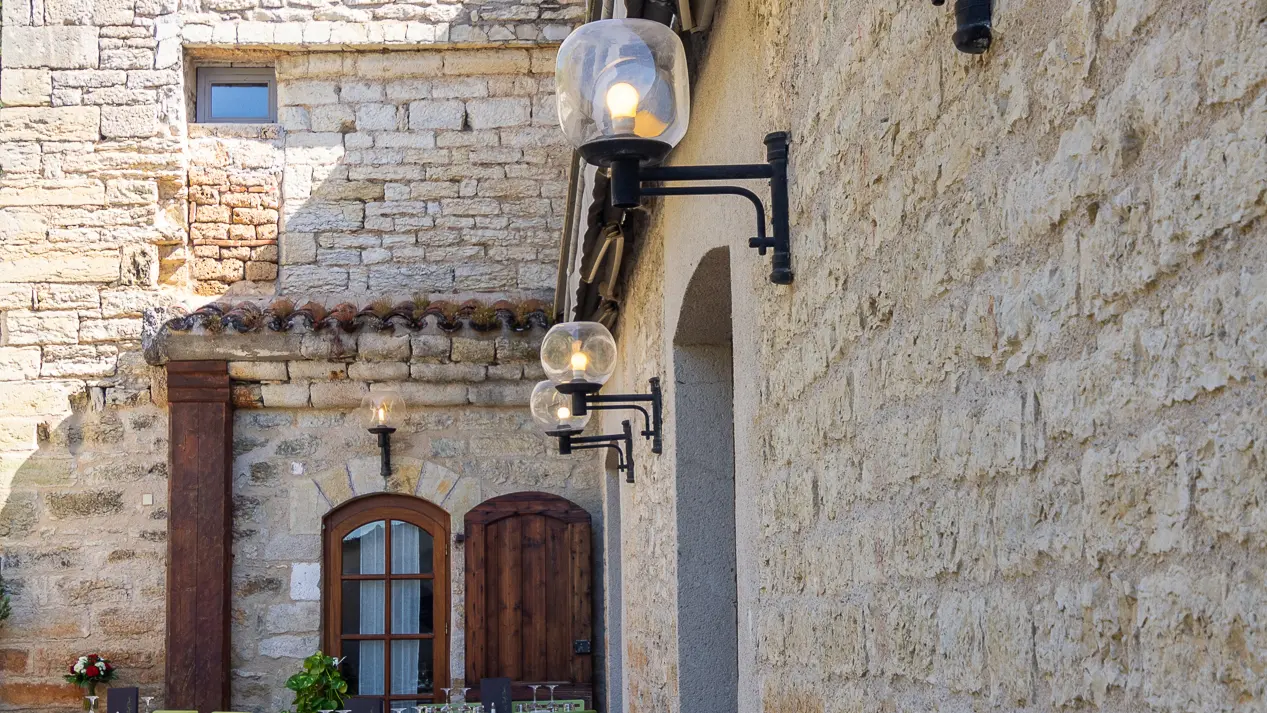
(420, 172)
(235, 175)
(1009, 434)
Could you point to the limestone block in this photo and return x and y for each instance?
(433, 394)
(486, 62)
(24, 328)
(519, 348)
(448, 373)
(68, 123)
(128, 192)
(476, 351)
(377, 117)
(19, 157)
(289, 647)
(19, 363)
(261, 271)
(505, 372)
(289, 618)
(26, 87)
(128, 121)
(436, 114)
(379, 371)
(67, 192)
(395, 65)
(79, 360)
(110, 330)
(50, 47)
(90, 503)
(293, 395)
(307, 92)
(258, 370)
(498, 113)
(383, 346)
(504, 393)
(307, 507)
(302, 279)
(318, 370)
(347, 394)
(429, 348)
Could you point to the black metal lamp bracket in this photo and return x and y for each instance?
(973, 20)
(583, 403)
(384, 434)
(627, 177)
(624, 456)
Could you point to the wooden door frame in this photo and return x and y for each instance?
(337, 523)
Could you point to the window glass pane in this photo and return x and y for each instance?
(412, 607)
(411, 549)
(364, 667)
(239, 101)
(365, 549)
(364, 607)
(411, 667)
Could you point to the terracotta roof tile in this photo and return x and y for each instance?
(283, 315)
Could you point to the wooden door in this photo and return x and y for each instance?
(529, 608)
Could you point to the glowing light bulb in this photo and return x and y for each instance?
(580, 361)
(622, 104)
(381, 414)
(564, 413)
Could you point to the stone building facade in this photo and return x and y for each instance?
(1002, 443)
(414, 158)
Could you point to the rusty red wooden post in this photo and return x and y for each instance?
(199, 539)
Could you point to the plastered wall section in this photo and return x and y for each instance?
(1006, 432)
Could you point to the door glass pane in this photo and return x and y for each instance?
(364, 667)
(239, 101)
(412, 667)
(412, 610)
(411, 549)
(365, 549)
(364, 607)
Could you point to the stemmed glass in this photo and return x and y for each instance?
(149, 703)
(448, 705)
(399, 710)
(534, 687)
(552, 686)
(92, 702)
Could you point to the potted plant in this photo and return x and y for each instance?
(87, 671)
(320, 686)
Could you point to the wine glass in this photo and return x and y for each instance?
(399, 710)
(534, 687)
(149, 703)
(92, 702)
(464, 691)
(552, 686)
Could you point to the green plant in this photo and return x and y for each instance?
(320, 686)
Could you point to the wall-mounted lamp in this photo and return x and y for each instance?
(578, 358)
(382, 412)
(973, 34)
(624, 103)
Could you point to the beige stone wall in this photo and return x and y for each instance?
(420, 172)
(1002, 444)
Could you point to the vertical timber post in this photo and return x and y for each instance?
(199, 539)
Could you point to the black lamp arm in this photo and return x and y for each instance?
(582, 403)
(624, 457)
(627, 177)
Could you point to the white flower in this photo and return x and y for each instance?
(79, 667)
(83, 660)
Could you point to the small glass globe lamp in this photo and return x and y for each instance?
(552, 411)
(579, 357)
(382, 412)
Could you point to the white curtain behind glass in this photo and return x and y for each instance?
(373, 611)
(406, 606)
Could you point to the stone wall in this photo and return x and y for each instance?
(1002, 443)
(96, 208)
(436, 172)
(234, 197)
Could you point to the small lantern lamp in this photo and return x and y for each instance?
(382, 412)
(622, 91)
(579, 357)
(552, 410)
(624, 102)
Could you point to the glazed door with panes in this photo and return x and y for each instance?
(387, 598)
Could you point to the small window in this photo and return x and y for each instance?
(238, 95)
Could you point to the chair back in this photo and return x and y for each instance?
(122, 700)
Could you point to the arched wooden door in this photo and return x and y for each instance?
(529, 608)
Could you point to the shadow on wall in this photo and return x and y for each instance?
(420, 172)
(82, 553)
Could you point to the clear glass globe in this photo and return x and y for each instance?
(623, 79)
(553, 410)
(382, 409)
(578, 353)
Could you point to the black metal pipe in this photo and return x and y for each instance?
(384, 434)
(625, 185)
(776, 154)
(973, 19)
(706, 173)
(713, 191)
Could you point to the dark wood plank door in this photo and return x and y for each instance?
(529, 593)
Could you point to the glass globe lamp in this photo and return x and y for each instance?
(579, 357)
(552, 410)
(623, 90)
(382, 410)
